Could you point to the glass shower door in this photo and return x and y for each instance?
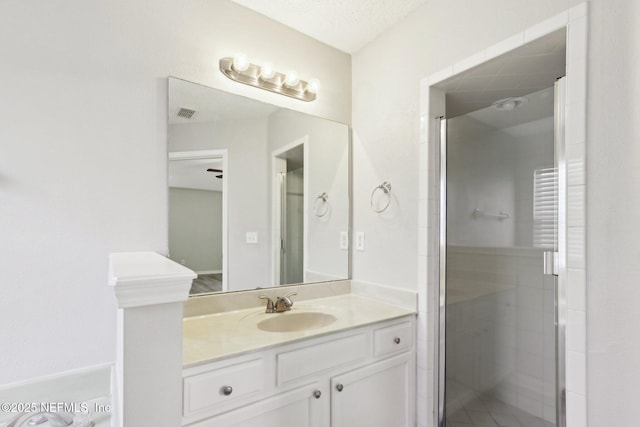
(501, 248)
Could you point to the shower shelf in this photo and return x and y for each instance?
(479, 213)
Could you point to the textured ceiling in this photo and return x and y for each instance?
(347, 25)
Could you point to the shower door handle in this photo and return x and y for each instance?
(550, 263)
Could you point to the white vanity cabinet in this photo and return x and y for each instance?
(299, 407)
(377, 395)
(359, 377)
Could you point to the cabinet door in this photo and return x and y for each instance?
(302, 407)
(377, 395)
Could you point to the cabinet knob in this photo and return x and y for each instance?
(339, 387)
(227, 390)
(396, 340)
(317, 394)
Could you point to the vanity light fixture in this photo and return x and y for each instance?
(263, 76)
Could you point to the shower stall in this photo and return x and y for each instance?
(289, 214)
(501, 323)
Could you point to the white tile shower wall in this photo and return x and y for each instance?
(431, 106)
(493, 170)
(500, 333)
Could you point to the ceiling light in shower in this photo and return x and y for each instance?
(263, 76)
(509, 104)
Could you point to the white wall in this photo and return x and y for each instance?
(385, 119)
(83, 150)
(327, 171)
(195, 228)
(247, 198)
(386, 75)
(613, 209)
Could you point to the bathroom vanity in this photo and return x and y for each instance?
(357, 369)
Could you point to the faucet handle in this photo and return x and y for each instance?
(288, 301)
(284, 303)
(269, 308)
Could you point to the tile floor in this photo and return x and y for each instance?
(465, 408)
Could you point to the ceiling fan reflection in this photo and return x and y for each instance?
(217, 171)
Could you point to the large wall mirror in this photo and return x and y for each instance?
(258, 195)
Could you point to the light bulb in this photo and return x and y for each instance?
(509, 105)
(291, 79)
(267, 71)
(240, 62)
(313, 86)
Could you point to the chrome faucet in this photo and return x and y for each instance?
(269, 308)
(282, 303)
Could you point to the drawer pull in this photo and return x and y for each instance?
(396, 340)
(227, 390)
(339, 387)
(317, 394)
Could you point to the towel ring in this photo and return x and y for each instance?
(323, 198)
(386, 188)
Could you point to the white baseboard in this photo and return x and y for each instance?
(209, 272)
(92, 385)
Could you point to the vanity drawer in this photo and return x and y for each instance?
(315, 359)
(219, 387)
(393, 339)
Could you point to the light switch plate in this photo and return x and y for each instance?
(252, 237)
(360, 240)
(344, 240)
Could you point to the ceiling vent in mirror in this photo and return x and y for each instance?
(186, 113)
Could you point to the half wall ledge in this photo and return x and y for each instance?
(148, 278)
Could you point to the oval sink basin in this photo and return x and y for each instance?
(290, 322)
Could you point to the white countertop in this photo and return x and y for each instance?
(213, 336)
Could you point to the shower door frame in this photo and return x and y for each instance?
(560, 264)
(441, 289)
